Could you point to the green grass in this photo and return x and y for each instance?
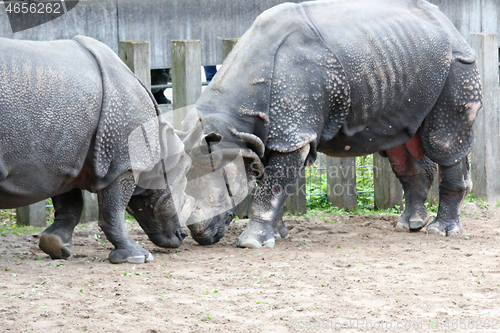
(318, 205)
(340, 211)
(8, 225)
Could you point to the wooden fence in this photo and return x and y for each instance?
(186, 86)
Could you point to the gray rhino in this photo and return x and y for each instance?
(346, 78)
(67, 110)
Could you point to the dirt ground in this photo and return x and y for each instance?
(334, 273)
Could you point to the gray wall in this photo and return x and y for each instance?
(472, 15)
(156, 21)
(159, 21)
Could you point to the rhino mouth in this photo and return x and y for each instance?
(210, 231)
(172, 241)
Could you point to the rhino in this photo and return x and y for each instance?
(346, 78)
(68, 111)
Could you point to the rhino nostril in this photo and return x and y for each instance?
(181, 234)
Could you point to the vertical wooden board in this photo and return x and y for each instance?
(350, 190)
(245, 207)
(485, 156)
(34, 215)
(186, 76)
(90, 210)
(335, 185)
(388, 189)
(296, 203)
(341, 182)
(227, 46)
(433, 196)
(135, 54)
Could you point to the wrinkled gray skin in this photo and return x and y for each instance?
(67, 109)
(346, 78)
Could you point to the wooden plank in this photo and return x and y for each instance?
(90, 210)
(388, 189)
(433, 196)
(33, 215)
(296, 203)
(245, 207)
(227, 46)
(135, 54)
(341, 179)
(485, 156)
(186, 76)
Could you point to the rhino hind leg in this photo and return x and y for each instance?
(454, 186)
(57, 239)
(446, 136)
(280, 175)
(416, 176)
(112, 203)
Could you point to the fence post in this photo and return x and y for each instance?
(433, 196)
(227, 45)
(296, 203)
(485, 157)
(388, 191)
(341, 181)
(34, 215)
(186, 76)
(90, 211)
(135, 54)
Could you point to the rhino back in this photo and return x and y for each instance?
(396, 57)
(49, 105)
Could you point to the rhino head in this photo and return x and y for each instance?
(222, 174)
(159, 165)
(158, 217)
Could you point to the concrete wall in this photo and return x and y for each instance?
(159, 21)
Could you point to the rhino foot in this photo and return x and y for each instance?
(135, 256)
(55, 246)
(445, 228)
(255, 236)
(412, 224)
(413, 219)
(280, 230)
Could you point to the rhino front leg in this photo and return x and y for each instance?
(279, 178)
(57, 240)
(454, 186)
(112, 203)
(280, 230)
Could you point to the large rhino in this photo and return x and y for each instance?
(68, 110)
(346, 78)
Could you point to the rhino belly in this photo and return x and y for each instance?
(372, 138)
(49, 105)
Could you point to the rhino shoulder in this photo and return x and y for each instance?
(126, 105)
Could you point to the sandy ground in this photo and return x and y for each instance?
(334, 273)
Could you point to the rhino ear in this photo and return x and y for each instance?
(212, 138)
(208, 141)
